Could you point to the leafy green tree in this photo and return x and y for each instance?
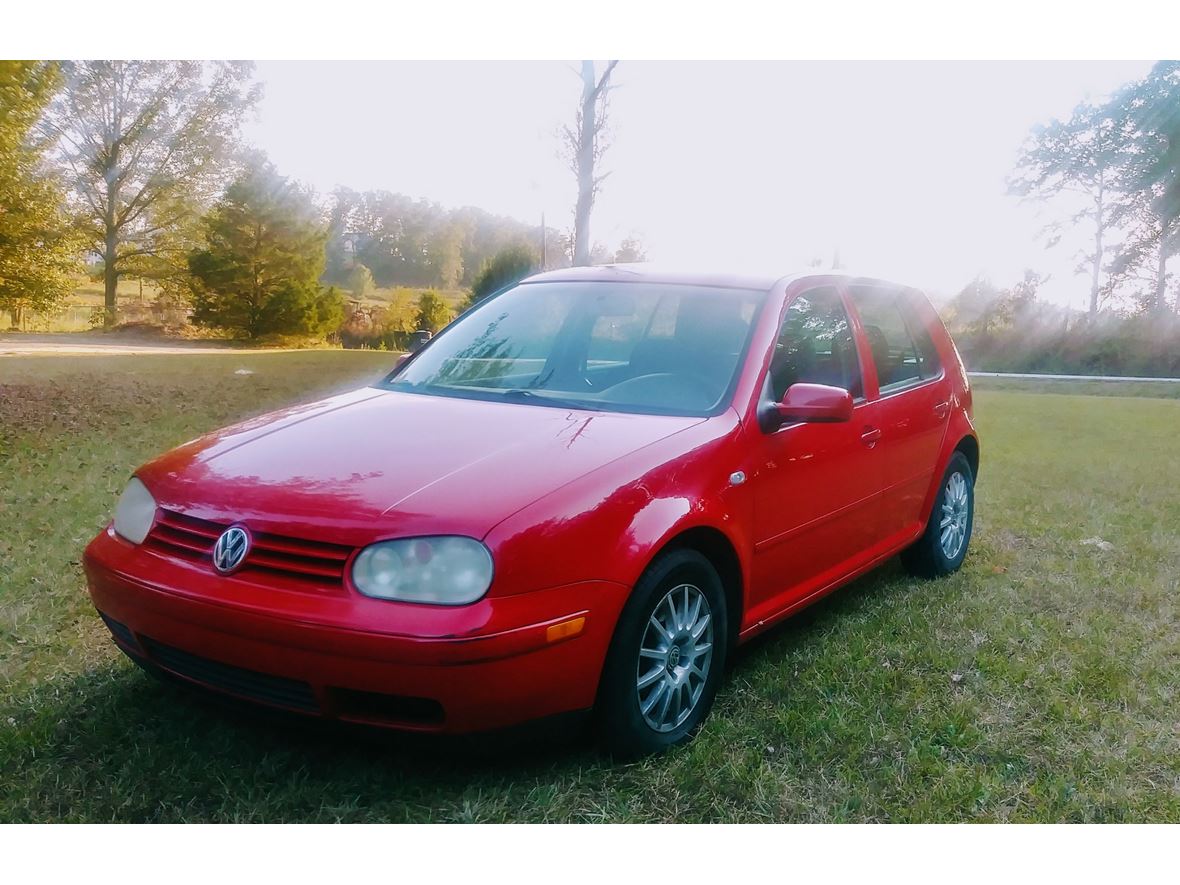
(327, 311)
(1076, 160)
(630, 250)
(408, 242)
(401, 314)
(433, 312)
(258, 272)
(360, 281)
(145, 147)
(446, 253)
(505, 268)
(38, 250)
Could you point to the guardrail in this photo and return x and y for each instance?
(1039, 377)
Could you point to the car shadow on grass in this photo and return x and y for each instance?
(805, 625)
(116, 744)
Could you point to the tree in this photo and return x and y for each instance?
(506, 268)
(585, 144)
(146, 145)
(433, 312)
(629, 251)
(1148, 115)
(1079, 157)
(408, 242)
(258, 272)
(360, 281)
(38, 250)
(446, 256)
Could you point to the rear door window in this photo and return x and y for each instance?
(894, 352)
(928, 361)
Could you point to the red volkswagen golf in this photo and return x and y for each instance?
(579, 497)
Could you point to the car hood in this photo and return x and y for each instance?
(373, 462)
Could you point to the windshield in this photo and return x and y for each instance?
(627, 347)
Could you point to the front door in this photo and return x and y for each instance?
(816, 484)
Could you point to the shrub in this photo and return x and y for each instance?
(506, 267)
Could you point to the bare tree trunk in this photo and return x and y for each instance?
(1098, 231)
(585, 151)
(110, 255)
(1161, 278)
(585, 166)
(110, 277)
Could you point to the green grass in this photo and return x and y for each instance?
(1160, 389)
(1038, 684)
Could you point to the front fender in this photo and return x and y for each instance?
(610, 524)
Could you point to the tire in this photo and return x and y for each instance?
(929, 557)
(679, 588)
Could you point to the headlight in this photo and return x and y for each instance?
(136, 512)
(439, 571)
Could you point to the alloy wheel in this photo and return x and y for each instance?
(956, 507)
(675, 656)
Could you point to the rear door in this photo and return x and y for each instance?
(912, 393)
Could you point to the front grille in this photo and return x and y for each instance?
(192, 539)
(261, 687)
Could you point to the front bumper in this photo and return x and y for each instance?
(489, 665)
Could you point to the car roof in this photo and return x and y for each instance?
(677, 274)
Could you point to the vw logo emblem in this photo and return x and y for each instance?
(231, 548)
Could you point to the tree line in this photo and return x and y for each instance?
(1111, 173)
(141, 165)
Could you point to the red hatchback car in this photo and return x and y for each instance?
(579, 497)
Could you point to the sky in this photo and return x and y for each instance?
(898, 166)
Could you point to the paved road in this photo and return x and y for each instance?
(9, 348)
(113, 343)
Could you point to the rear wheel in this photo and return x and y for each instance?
(666, 658)
(943, 546)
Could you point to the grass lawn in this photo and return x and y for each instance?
(1040, 683)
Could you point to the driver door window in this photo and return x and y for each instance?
(815, 345)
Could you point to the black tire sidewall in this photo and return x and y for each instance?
(958, 464)
(620, 723)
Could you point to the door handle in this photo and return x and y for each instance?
(941, 409)
(870, 436)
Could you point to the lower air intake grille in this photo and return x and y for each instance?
(261, 687)
(120, 632)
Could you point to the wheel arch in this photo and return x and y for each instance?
(969, 446)
(716, 547)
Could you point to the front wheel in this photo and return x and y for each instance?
(666, 658)
(943, 546)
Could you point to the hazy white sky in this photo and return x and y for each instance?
(900, 165)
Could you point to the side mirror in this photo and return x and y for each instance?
(810, 403)
(401, 360)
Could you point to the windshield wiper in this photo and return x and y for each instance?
(520, 394)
